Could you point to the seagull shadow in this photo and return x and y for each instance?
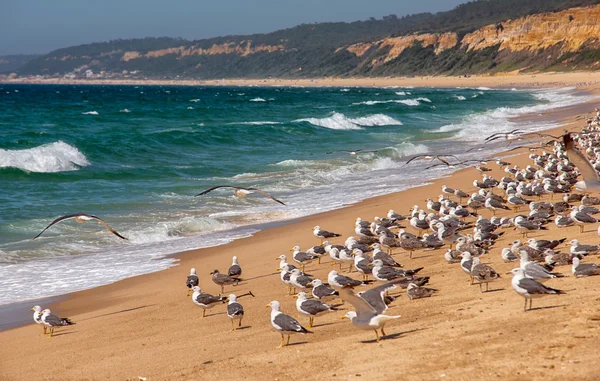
(118, 312)
(262, 276)
(494, 290)
(547, 307)
(396, 335)
(421, 256)
(243, 327)
(296, 343)
(216, 314)
(326, 324)
(62, 333)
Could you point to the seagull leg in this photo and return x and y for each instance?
(487, 287)
(376, 334)
(240, 322)
(350, 268)
(472, 280)
(303, 267)
(581, 228)
(410, 254)
(480, 289)
(188, 293)
(232, 325)
(282, 341)
(382, 332)
(51, 331)
(310, 322)
(530, 303)
(44, 330)
(319, 260)
(203, 313)
(222, 289)
(525, 306)
(288, 340)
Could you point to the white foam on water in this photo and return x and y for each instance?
(410, 102)
(337, 121)
(424, 99)
(258, 100)
(257, 123)
(90, 113)
(401, 93)
(376, 120)
(54, 157)
(460, 97)
(125, 110)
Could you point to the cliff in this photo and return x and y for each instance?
(476, 37)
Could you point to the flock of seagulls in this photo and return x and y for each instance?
(453, 221)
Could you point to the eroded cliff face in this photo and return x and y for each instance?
(397, 45)
(243, 49)
(572, 28)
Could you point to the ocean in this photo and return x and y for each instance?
(136, 156)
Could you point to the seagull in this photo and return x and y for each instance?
(54, 321)
(81, 218)
(584, 269)
(235, 311)
(352, 152)
(338, 281)
(205, 301)
(235, 270)
(377, 296)
(579, 249)
(223, 280)
(298, 280)
(301, 257)
(37, 317)
(285, 324)
(312, 307)
(323, 234)
(322, 291)
(386, 274)
(466, 263)
(591, 180)
(581, 218)
(417, 292)
(432, 157)
(192, 280)
(483, 273)
(530, 288)
(366, 316)
(507, 255)
(241, 192)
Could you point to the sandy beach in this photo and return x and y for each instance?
(146, 326)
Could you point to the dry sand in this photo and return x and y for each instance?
(146, 326)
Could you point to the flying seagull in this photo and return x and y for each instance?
(591, 181)
(431, 157)
(352, 152)
(81, 218)
(241, 192)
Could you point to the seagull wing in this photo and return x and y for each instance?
(588, 172)
(213, 188)
(264, 194)
(377, 294)
(108, 227)
(363, 309)
(59, 219)
(414, 158)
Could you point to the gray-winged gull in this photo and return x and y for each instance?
(235, 311)
(223, 280)
(81, 218)
(322, 291)
(235, 270)
(530, 288)
(323, 234)
(192, 280)
(365, 317)
(285, 324)
(311, 307)
(584, 269)
(37, 317)
(417, 292)
(205, 301)
(54, 321)
(338, 281)
(483, 273)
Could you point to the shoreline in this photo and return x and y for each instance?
(506, 80)
(15, 320)
(134, 295)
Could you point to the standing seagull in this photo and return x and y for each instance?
(323, 234)
(54, 321)
(338, 281)
(285, 324)
(322, 291)
(223, 280)
(312, 307)
(483, 273)
(417, 292)
(81, 218)
(235, 311)
(205, 301)
(591, 180)
(192, 280)
(234, 270)
(37, 317)
(241, 192)
(530, 288)
(366, 316)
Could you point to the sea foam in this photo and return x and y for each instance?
(54, 157)
(339, 121)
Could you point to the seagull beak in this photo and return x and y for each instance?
(31, 309)
(278, 269)
(459, 255)
(508, 273)
(342, 318)
(295, 296)
(277, 259)
(370, 265)
(267, 306)
(309, 284)
(226, 300)
(292, 249)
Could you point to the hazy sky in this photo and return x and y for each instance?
(40, 26)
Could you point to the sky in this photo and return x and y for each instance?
(40, 26)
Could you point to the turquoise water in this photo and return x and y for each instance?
(137, 155)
